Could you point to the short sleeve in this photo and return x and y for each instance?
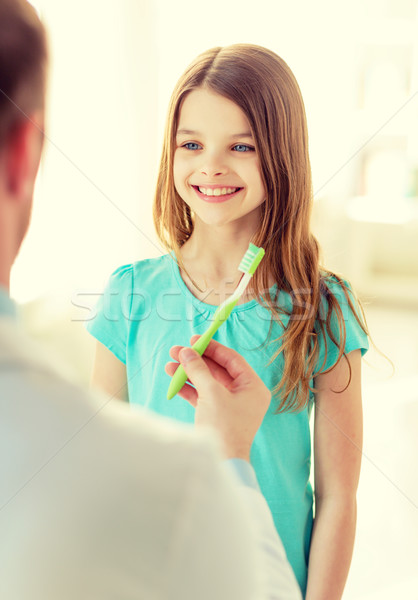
(109, 323)
(356, 338)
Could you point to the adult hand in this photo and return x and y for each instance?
(228, 395)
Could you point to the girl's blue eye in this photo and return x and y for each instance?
(243, 148)
(191, 146)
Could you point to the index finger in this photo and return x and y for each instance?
(227, 358)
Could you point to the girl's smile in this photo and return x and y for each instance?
(216, 193)
(215, 162)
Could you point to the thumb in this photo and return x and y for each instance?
(197, 370)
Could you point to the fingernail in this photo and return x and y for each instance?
(187, 354)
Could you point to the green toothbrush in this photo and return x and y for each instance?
(248, 265)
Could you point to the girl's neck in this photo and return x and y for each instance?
(211, 258)
(215, 251)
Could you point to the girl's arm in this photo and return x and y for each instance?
(338, 436)
(109, 374)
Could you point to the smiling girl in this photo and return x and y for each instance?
(234, 169)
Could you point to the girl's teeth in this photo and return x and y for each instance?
(216, 191)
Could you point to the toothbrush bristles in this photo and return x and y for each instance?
(251, 259)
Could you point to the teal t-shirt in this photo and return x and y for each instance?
(147, 308)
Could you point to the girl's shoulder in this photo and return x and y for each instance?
(154, 273)
(153, 267)
(142, 273)
(340, 322)
(331, 282)
(335, 289)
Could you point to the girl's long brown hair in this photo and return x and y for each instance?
(265, 89)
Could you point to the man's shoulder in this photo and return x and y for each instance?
(19, 352)
(33, 382)
(120, 485)
(126, 447)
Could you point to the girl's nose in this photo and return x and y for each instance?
(213, 167)
(211, 172)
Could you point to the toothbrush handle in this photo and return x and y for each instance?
(180, 377)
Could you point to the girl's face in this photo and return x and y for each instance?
(216, 167)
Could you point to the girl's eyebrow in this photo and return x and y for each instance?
(246, 134)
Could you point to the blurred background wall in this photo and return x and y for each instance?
(113, 66)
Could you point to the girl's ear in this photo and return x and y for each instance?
(23, 153)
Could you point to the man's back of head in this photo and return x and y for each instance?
(23, 58)
(23, 65)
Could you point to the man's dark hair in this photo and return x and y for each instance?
(23, 60)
